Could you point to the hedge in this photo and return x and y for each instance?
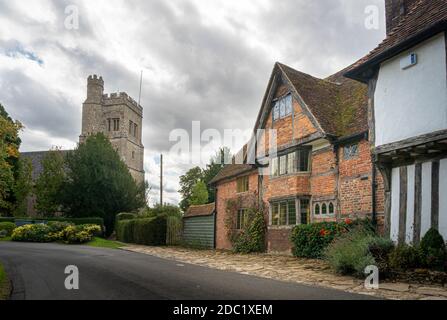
(76, 221)
(148, 231)
(311, 240)
(125, 216)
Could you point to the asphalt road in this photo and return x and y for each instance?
(37, 273)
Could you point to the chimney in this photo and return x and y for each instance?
(396, 10)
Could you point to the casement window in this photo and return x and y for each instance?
(109, 125)
(130, 126)
(116, 124)
(324, 208)
(133, 154)
(283, 213)
(135, 130)
(305, 211)
(282, 107)
(242, 219)
(242, 184)
(297, 161)
(351, 151)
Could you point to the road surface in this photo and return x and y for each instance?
(37, 272)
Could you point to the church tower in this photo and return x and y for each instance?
(120, 118)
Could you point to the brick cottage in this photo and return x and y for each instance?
(322, 168)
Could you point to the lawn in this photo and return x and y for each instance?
(103, 243)
(5, 287)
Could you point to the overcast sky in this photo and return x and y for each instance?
(203, 60)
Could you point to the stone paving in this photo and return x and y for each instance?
(290, 269)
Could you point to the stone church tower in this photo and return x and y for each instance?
(120, 118)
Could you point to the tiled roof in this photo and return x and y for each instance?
(36, 161)
(339, 104)
(200, 211)
(232, 170)
(424, 19)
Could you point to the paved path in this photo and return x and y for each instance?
(37, 272)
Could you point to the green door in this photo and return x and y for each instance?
(199, 231)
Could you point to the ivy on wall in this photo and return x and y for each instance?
(250, 238)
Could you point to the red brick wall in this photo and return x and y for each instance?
(278, 240)
(226, 190)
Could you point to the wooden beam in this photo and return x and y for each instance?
(385, 170)
(403, 204)
(417, 204)
(435, 195)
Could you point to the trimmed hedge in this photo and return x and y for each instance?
(6, 228)
(76, 221)
(149, 231)
(125, 216)
(311, 240)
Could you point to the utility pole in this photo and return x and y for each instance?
(161, 180)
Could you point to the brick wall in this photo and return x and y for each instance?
(226, 191)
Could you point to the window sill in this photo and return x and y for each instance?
(281, 227)
(242, 193)
(298, 174)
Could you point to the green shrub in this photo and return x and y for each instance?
(433, 250)
(252, 238)
(125, 216)
(7, 219)
(350, 253)
(32, 233)
(7, 227)
(79, 234)
(405, 257)
(147, 231)
(380, 249)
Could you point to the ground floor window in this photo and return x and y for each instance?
(242, 219)
(284, 213)
(324, 208)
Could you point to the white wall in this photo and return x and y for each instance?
(426, 198)
(412, 102)
(410, 203)
(395, 192)
(443, 197)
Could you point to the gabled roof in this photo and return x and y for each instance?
(425, 19)
(200, 211)
(336, 104)
(230, 171)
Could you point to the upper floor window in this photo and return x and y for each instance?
(351, 151)
(282, 107)
(130, 126)
(113, 124)
(135, 130)
(242, 184)
(293, 162)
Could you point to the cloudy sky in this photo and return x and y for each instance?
(203, 60)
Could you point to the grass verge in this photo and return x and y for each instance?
(5, 239)
(103, 243)
(5, 285)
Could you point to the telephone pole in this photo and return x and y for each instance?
(161, 180)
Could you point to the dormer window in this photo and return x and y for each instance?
(282, 107)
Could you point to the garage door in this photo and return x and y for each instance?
(199, 231)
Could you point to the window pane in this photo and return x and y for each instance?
(291, 162)
(331, 208)
(288, 100)
(283, 214)
(292, 212)
(282, 108)
(303, 160)
(350, 152)
(283, 165)
(317, 209)
(324, 209)
(305, 211)
(275, 170)
(275, 214)
(276, 111)
(130, 127)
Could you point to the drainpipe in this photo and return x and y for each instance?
(374, 197)
(215, 216)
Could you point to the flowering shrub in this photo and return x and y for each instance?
(310, 240)
(59, 231)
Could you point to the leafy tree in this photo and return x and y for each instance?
(49, 184)
(199, 194)
(216, 164)
(99, 183)
(187, 183)
(23, 187)
(9, 160)
(165, 210)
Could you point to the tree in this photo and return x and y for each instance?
(216, 164)
(9, 160)
(23, 187)
(187, 183)
(49, 184)
(99, 184)
(199, 194)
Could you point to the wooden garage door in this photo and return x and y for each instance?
(199, 231)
